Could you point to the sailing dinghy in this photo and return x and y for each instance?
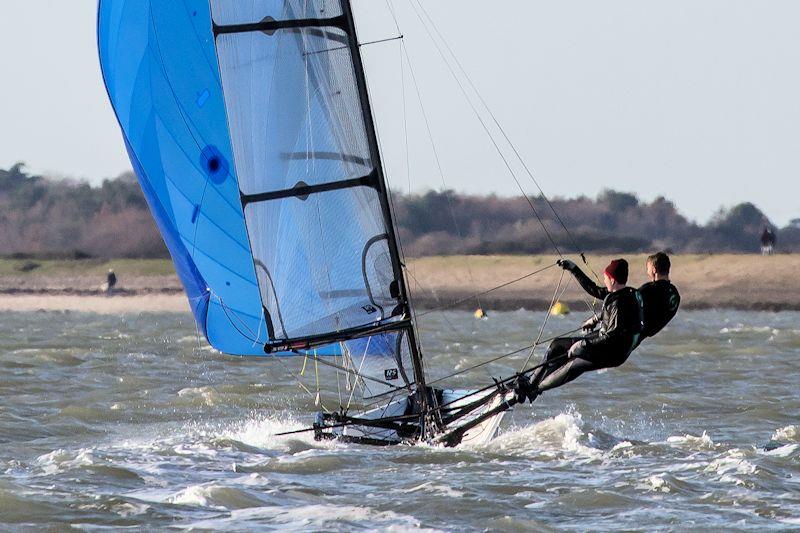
(248, 123)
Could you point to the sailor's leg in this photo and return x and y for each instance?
(566, 373)
(554, 356)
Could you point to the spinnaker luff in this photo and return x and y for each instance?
(249, 126)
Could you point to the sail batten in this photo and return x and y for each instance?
(302, 190)
(269, 24)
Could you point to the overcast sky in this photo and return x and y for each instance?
(696, 100)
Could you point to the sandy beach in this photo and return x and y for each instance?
(705, 281)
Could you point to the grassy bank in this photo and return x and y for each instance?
(719, 280)
(84, 267)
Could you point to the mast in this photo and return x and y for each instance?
(397, 267)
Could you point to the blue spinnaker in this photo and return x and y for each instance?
(159, 65)
(245, 125)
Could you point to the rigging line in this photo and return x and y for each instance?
(401, 251)
(488, 132)
(506, 284)
(225, 310)
(503, 381)
(405, 118)
(386, 40)
(318, 398)
(349, 371)
(506, 137)
(441, 306)
(298, 352)
(544, 322)
(338, 383)
(437, 159)
(584, 299)
(299, 381)
(403, 93)
(491, 137)
(380, 400)
(403, 264)
(360, 367)
(274, 356)
(335, 48)
(498, 358)
(353, 421)
(498, 383)
(394, 16)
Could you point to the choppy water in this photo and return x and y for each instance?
(126, 421)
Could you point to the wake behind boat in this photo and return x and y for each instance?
(250, 128)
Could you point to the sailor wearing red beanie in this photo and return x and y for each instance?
(618, 271)
(620, 326)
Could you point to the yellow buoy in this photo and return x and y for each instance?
(479, 313)
(559, 308)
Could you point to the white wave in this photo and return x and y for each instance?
(208, 394)
(783, 451)
(434, 488)
(196, 495)
(703, 442)
(786, 433)
(195, 449)
(261, 432)
(741, 328)
(61, 460)
(561, 433)
(128, 509)
(656, 483)
(731, 465)
(315, 517)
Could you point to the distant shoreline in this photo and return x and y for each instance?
(170, 300)
(722, 281)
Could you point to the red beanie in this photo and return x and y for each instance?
(618, 270)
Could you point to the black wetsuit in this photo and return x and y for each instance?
(620, 328)
(660, 301)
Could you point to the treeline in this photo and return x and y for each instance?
(446, 222)
(45, 217)
(62, 218)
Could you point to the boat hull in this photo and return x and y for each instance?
(469, 419)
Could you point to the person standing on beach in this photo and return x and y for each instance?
(620, 328)
(660, 298)
(111, 281)
(767, 241)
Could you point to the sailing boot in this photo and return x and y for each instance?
(522, 388)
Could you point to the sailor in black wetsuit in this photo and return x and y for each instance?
(660, 298)
(620, 327)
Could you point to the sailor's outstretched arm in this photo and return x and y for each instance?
(585, 282)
